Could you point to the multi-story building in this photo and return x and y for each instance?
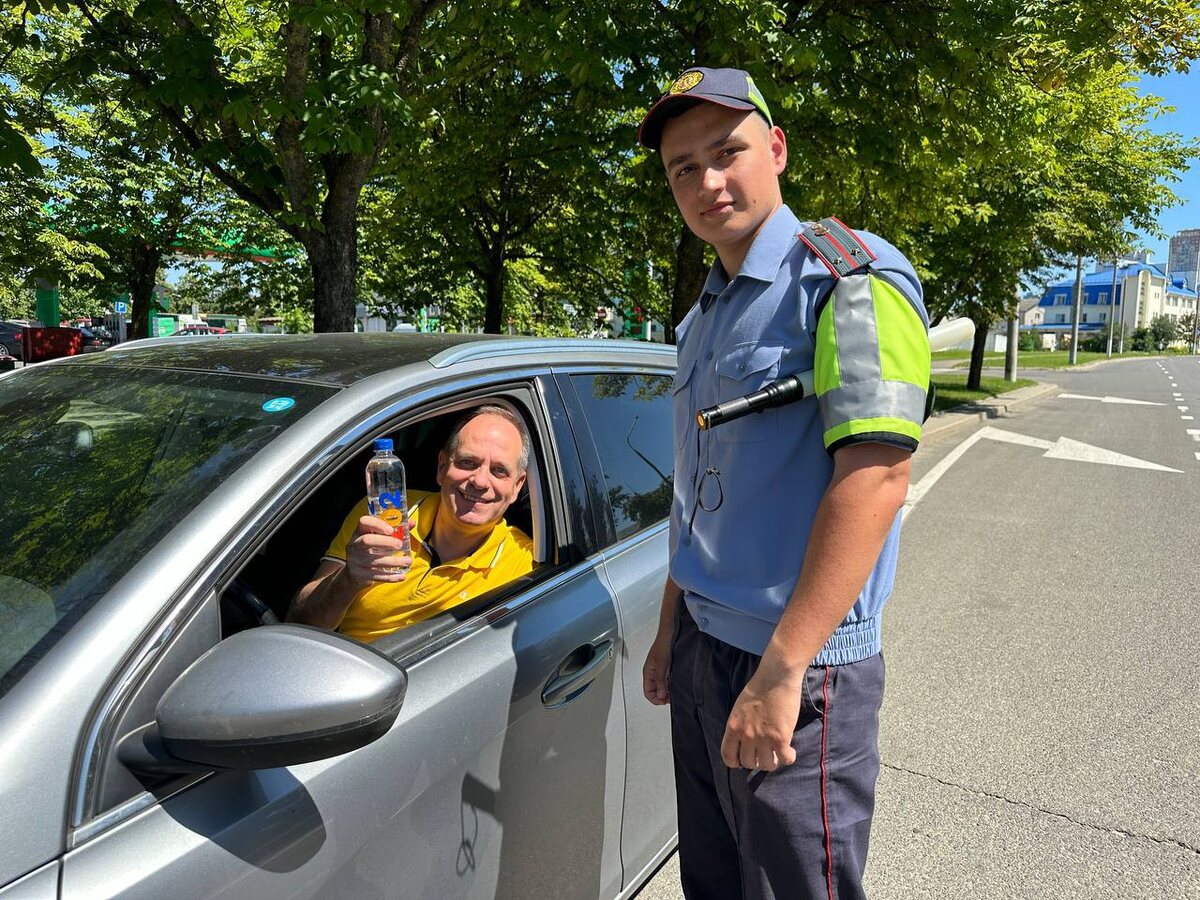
(1183, 254)
(1143, 292)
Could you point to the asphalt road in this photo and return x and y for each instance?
(1041, 732)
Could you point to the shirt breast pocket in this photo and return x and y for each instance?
(743, 369)
(681, 403)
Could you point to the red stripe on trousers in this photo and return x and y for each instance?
(824, 797)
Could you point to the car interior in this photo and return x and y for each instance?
(263, 588)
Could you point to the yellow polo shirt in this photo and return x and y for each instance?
(380, 609)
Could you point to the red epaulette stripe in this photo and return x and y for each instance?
(842, 250)
(854, 237)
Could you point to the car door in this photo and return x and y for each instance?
(503, 775)
(624, 420)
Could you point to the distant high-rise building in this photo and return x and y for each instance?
(1183, 253)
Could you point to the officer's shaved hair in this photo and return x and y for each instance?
(492, 409)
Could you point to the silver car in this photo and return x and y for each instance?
(162, 735)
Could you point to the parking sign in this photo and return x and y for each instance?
(121, 307)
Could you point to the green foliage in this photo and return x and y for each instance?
(484, 150)
(1164, 331)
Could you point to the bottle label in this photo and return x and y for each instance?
(390, 508)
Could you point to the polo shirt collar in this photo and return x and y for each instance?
(424, 514)
(766, 254)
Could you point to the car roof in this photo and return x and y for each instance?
(341, 359)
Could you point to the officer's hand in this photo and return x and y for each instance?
(656, 669)
(372, 554)
(758, 733)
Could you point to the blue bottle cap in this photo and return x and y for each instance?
(382, 444)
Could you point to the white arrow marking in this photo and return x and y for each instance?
(1110, 399)
(1064, 448)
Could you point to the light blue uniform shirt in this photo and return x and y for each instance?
(746, 492)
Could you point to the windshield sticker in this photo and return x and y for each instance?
(279, 404)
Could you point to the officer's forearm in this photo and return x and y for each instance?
(323, 601)
(852, 522)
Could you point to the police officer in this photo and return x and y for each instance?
(785, 523)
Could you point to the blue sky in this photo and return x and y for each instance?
(1183, 93)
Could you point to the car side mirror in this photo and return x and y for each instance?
(273, 696)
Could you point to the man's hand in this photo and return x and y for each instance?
(373, 554)
(656, 669)
(758, 734)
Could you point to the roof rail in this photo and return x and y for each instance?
(517, 346)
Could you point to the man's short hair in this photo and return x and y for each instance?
(503, 412)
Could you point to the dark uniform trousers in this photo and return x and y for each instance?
(799, 833)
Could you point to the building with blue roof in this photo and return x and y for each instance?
(1144, 291)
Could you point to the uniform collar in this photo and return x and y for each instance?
(764, 257)
(424, 514)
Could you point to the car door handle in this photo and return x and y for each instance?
(576, 672)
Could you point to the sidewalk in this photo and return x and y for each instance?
(952, 421)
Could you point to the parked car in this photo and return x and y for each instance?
(94, 339)
(10, 338)
(166, 737)
(193, 330)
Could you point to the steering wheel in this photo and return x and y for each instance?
(248, 603)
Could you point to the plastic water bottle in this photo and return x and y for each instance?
(387, 497)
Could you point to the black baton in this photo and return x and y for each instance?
(777, 393)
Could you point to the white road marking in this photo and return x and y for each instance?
(1064, 448)
(1198, 454)
(1110, 399)
(1188, 418)
(1182, 408)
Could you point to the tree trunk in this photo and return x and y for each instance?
(493, 312)
(144, 270)
(690, 273)
(977, 349)
(333, 258)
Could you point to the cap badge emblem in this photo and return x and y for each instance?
(686, 82)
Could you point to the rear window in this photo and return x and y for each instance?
(99, 462)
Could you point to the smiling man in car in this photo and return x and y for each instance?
(461, 545)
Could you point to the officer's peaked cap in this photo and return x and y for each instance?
(731, 88)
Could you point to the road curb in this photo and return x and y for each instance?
(958, 418)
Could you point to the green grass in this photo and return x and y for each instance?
(1035, 359)
(952, 389)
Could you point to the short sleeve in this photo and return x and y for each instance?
(337, 549)
(871, 363)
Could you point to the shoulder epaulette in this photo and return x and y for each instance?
(837, 246)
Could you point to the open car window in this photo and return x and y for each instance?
(291, 556)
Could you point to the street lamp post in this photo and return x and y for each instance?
(1112, 307)
(1121, 342)
(1076, 309)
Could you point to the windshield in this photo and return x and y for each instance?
(96, 464)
